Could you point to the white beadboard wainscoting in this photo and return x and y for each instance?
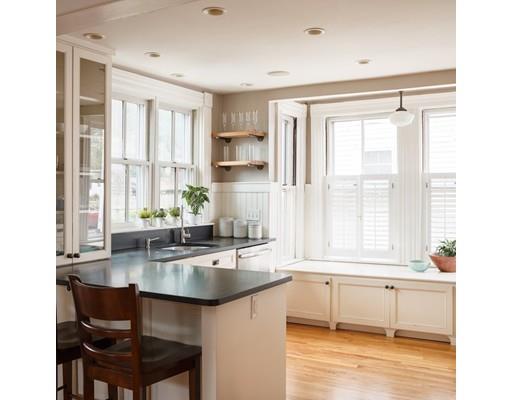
(236, 199)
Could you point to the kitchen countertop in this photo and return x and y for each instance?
(174, 281)
(369, 271)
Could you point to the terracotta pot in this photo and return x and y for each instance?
(445, 264)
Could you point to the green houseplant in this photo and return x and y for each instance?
(145, 216)
(195, 197)
(174, 213)
(158, 217)
(445, 257)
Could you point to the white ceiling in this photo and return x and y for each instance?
(254, 37)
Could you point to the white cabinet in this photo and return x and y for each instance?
(360, 301)
(223, 259)
(83, 154)
(309, 297)
(416, 306)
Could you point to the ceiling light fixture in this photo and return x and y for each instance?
(246, 84)
(314, 31)
(401, 117)
(214, 11)
(152, 54)
(177, 75)
(278, 73)
(364, 61)
(94, 36)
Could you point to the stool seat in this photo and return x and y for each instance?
(67, 335)
(157, 353)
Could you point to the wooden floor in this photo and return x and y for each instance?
(346, 365)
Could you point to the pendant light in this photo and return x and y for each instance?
(401, 117)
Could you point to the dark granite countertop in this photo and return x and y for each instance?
(173, 281)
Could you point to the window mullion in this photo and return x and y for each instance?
(126, 192)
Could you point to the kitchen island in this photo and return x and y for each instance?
(237, 317)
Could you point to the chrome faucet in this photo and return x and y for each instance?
(149, 240)
(185, 233)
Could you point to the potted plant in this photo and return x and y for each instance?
(445, 256)
(145, 216)
(158, 217)
(174, 213)
(196, 197)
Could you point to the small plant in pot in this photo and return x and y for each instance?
(145, 217)
(158, 217)
(195, 197)
(445, 256)
(174, 213)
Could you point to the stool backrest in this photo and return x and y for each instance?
(108, 304)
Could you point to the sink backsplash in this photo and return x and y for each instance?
(167, 235)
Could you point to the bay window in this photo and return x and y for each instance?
(439, 177)
(361, 199)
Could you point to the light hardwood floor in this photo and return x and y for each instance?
(345, 365)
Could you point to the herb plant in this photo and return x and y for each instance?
(174, 212)
(447, 248)
(195, 196)
(159, 213)
(144, 213)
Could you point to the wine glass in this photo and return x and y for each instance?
(224, 121)
(255, 119)
(233, 121)
(241, 120)
(247, 120)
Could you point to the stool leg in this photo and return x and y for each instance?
(67, 379)
(112, 392)
(139, 393)
(194, 381)
(88, 388)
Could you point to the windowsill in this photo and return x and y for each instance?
(134, 228)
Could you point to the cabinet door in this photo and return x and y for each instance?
(223, 259)
(420, 306)
(360, 301)
(309, 296)
(91, 155)
(64, 149)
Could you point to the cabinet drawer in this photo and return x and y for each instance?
(360, 301)
(425, 307)
(223, 259)
(309, 296)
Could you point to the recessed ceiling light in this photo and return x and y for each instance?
(214, 11)
(94, 36)
(314, 31)
(152, 54)
(278, 73)
(364, 61)
(177, 75)
(246, 84)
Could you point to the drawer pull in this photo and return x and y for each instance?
(216, 262)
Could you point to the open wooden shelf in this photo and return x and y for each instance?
(228, 164)
(227, 136)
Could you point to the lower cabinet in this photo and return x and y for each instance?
(223, 259)
(389, 304)
(309, 296)
(360, 301)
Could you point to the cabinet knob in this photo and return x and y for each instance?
(76, 255)
(326, 282)
(69, 255)
(386, 287)
(215, 262)
(391, 287)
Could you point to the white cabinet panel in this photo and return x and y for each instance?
(360, 301)
(309, 296)
(424, 307)
(223, 259)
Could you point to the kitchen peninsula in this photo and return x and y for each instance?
(237, 317)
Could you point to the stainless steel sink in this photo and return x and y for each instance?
(185, 248)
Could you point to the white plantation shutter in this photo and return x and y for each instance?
(376, 213)
(439, 176)
(343, 222)
(442, 202)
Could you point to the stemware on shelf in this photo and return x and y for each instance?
(224, 121)
(225, 152)
(233, 121)
(241, 120)
(255, 119)
(247, 120)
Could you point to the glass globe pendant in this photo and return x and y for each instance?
(401, 117)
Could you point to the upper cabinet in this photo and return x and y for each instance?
(83, 154)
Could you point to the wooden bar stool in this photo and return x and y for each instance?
(68, 350)
(135, 361)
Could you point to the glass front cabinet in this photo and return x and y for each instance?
(82, 154)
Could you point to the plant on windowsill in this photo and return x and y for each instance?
(174, 213)
(445, 256)
(195, 197)
(145, 217)
(158, 217)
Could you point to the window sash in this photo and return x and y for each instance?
(189, 127)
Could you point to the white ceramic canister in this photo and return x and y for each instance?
(254, 230)
(240, 228)
(225, 227)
